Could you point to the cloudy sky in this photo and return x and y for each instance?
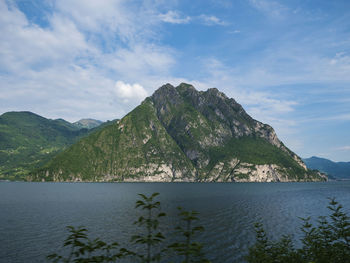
(287, 62)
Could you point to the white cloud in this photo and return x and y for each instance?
(211, 20)
(286, 64)
(139, 60)
(130, 91)
(70, 92)
(173, 17)
(343, 148)
(61, 70)
(28, 47)
(339, 117)
(106, 18)
(270, 8)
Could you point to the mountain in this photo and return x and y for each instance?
(337, 170)
(180, 134)
(28, 140)
(87, 123)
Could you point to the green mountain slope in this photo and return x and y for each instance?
(134, 148)
(337, 170)
(180, 134)
(28, 140)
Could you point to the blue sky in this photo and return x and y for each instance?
(286, 62)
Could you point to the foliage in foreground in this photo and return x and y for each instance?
(328, 242)
(150, 240)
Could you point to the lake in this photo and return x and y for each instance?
(33, 216)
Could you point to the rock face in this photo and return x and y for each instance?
(180, 134)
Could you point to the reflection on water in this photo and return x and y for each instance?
(33, 216)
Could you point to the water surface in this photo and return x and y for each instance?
(33, 216)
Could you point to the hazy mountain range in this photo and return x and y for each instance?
(179, 134)
(335, 170)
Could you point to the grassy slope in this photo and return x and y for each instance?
(28, 141)
(257, 151)
(137, 140)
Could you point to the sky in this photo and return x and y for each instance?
(286, 62)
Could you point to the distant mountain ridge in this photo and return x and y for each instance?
(87, 123)
(28, 140)
(180, 134)
(337, 170)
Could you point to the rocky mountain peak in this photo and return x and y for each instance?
(185, 87)
(216, 92)
(165, 91)
(181, 134)
(166, 94)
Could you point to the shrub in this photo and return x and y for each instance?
(328, 242)
(189, 250)
(83, 250)
(151, 238)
